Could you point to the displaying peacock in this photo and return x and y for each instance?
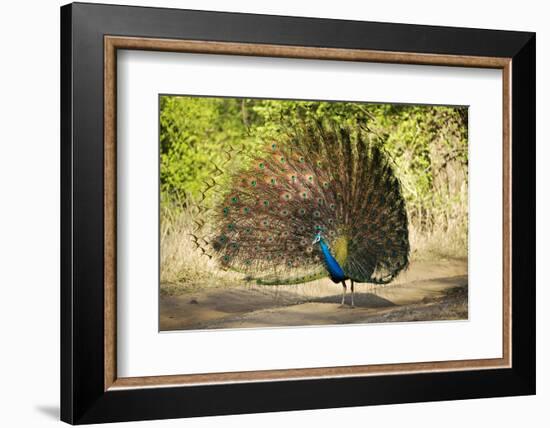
(322, 201)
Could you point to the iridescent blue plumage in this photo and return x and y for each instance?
(334, 269)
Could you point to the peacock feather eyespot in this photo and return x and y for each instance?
(273, 181)
(223, 239)
(320, 201)
(316, 214)
(332, 206)
(302, 211)
(266, 203)
(265, 223)
(309, 250)
(304, 195)
(231, 226)
(325, 184)
(246, 210)
(282, 159)
(234, 245)
(310, 179)
(330, 221)
(226, 211)
(302, 160)
(261, 165)
(234, 199)
(248, 230)
(303, 242)
(274, 146)
(247, 262)
(270, 239)
(226, 258)
(301, 229)
(253, 183)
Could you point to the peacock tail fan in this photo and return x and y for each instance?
(322, 178)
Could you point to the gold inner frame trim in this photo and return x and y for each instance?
(113, 43)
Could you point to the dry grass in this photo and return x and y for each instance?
(438, 243)
(184, 268)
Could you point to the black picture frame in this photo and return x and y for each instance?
(83, 396)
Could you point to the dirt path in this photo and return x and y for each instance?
(427, 291)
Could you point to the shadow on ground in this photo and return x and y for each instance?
(361, 300)
(416, 297)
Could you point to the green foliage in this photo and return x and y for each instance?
(194, 132)
(428, 146)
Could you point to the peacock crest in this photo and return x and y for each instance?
(319, 190)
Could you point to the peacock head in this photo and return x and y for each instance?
(317, 238)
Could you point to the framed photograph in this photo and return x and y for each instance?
(266, 213)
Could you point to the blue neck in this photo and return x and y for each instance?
(334, 269)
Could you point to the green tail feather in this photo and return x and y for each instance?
(291, 281)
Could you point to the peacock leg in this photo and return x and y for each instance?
(343, 293)
(352, 293)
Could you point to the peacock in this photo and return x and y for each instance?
(323, 200)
